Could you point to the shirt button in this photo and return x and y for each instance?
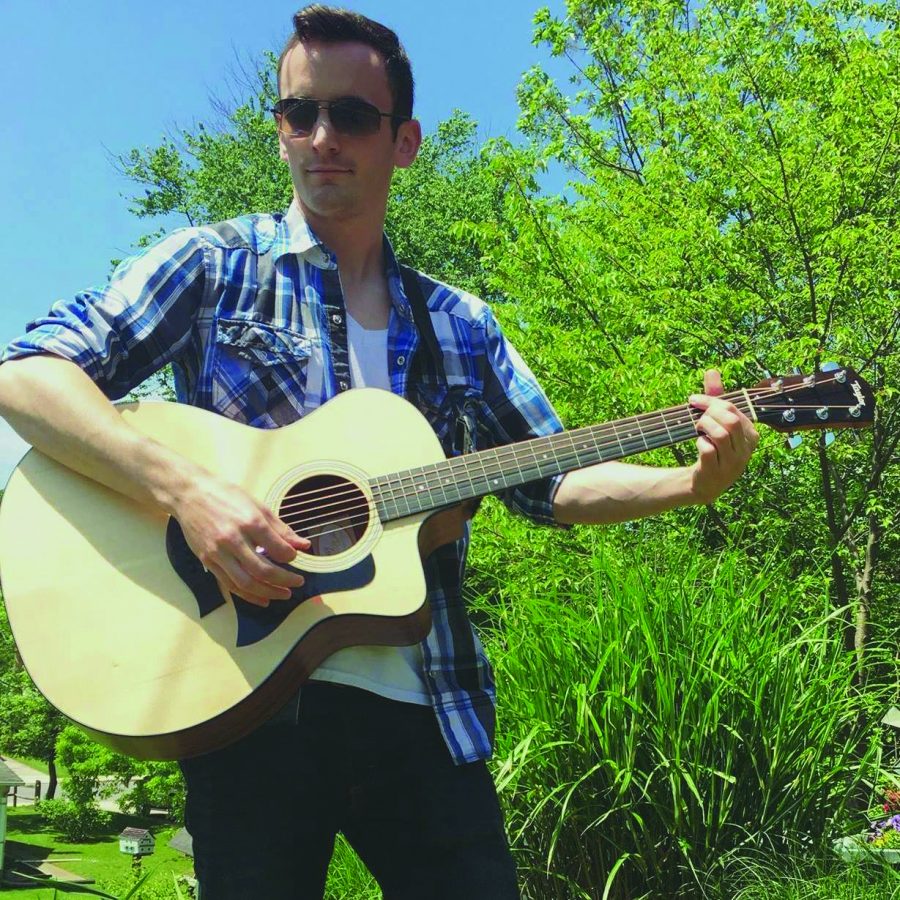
(336, 318)
(401, 360)
(343, 385)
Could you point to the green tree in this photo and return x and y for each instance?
(29, 725)
(733, 202)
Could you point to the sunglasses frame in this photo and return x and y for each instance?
(278, 111)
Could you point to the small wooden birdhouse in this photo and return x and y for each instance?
(136, 842)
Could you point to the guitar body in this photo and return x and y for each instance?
(122, 630)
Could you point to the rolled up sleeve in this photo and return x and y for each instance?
(123, 332)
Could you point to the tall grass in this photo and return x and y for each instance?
(672, 712)
(801, 879)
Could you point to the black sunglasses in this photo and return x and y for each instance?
(297, 116)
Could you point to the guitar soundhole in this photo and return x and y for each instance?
(329, 510)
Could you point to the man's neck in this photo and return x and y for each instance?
(356, 242)
(358, 246)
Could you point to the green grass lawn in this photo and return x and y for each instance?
(28, 836)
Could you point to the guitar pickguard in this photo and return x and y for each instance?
(257, 622)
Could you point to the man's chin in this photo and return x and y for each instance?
(328, 200)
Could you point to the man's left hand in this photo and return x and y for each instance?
(727, 440)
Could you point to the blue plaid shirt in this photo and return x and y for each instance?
(267, 357)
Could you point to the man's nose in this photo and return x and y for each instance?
(323, 132)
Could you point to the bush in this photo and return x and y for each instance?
(160, 787)
(673, 710)
(75, 822)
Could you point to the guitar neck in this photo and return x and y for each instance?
(435, 486)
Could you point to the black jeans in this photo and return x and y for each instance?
(264, 812)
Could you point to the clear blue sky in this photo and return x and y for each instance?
(94, 78)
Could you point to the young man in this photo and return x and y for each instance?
(386, 745)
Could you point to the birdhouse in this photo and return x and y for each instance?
(136, 842)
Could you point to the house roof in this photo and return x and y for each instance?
(8, 778)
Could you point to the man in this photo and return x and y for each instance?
(386, 745)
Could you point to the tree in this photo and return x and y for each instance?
(29, 725)
(733, 201)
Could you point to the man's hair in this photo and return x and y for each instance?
(331, 25)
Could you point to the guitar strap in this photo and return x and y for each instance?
(431, 365)
(433, 359)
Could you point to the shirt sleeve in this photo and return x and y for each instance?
(516, 409)
(123, 332)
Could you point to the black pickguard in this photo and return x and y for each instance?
(257, 622)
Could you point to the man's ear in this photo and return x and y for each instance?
(406, 146)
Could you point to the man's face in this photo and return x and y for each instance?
(337, 176)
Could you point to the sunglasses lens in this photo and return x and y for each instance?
(354, 117)
(297, 116)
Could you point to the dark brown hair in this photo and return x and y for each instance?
(332, 25)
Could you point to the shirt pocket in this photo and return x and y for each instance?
(259, 372)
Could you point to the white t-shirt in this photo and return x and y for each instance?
(394, 672)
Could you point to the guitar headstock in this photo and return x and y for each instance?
(836, 397)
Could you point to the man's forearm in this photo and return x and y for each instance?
(54, 406)
(617, 492)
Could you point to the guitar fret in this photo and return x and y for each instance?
(491, 481)
(665, 422)
(637, 422)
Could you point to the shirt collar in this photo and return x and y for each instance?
(293, 235)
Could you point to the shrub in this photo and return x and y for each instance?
(672, 711)
(75, 822)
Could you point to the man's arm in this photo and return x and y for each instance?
(619, 492)
(57, 408)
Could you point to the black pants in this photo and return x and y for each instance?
(264, 812)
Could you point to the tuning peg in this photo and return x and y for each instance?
(840, 377)
(794, 441)
(828, 437)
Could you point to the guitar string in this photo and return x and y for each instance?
(351, 519)
(529, 472)
(340, 497)
(570, 455)
(360, 515)
(738, 395)
(300, 499)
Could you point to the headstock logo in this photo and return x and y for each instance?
(858, 393)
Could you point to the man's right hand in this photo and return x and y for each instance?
(240, 541)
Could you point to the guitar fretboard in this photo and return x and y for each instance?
(452, 481)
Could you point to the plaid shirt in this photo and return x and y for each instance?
(268, 357)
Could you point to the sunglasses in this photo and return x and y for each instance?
(297, 116)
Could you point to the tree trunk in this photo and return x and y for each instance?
(52, 780)
(864, 581)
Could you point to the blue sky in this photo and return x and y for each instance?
(90, 80)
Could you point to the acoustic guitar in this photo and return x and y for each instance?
(123, 631)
